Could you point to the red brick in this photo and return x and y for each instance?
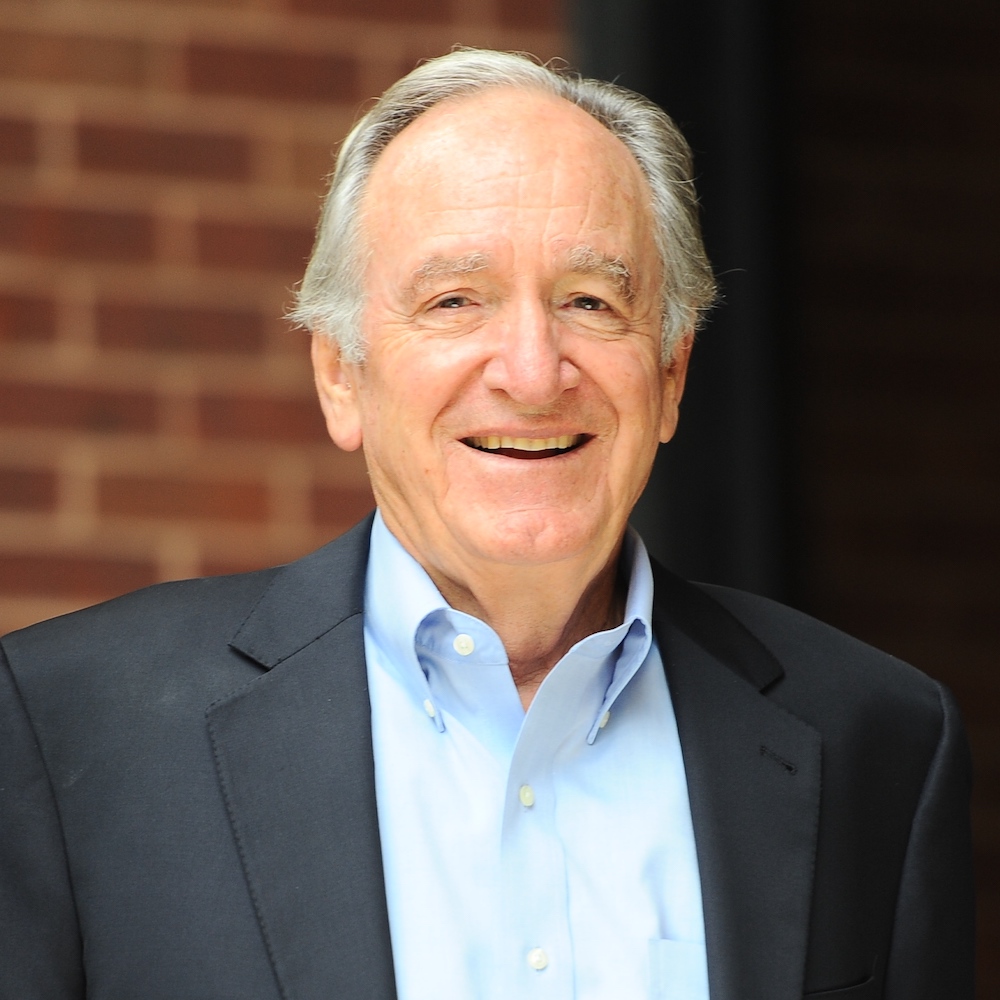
(922, 39)
(161, 496)
(17, 142)
(26, 318)
(154, 151)
(254, 245)
(312, 163)
(378, 10)
(74, 408)
(227, 567)
(927, 542)
(76, 576)
(909, 625)
(70, 59)
(174, 328)
(858, 445)
(535, 14)
(906, 291)
(926, 382)
(877, 120)
(271, 74)
(27, 489)
(76, 233)
(292, 421)
(335, 505)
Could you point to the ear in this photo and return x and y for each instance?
(337, 385)
(674, 377)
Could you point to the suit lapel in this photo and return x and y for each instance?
(753, 773)
(294, 757)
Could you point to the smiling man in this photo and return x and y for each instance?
(482, 747)
(513, 390)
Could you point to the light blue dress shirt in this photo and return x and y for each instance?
(546, 853)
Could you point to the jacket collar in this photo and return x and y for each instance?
(307, 598)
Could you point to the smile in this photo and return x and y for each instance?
(525, 447)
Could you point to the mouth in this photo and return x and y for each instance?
(527, 448)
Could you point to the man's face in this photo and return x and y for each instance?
(512, 397)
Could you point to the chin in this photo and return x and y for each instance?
(537, 536)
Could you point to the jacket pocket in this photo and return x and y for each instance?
(861, 991)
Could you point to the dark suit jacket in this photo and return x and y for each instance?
(187, 808)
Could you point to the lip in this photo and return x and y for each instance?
(524, 447)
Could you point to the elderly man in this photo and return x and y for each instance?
(480, 747)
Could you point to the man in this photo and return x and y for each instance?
(481, 747)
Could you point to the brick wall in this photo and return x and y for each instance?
(160, 167)
(899, 195)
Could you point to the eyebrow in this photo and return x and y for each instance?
(437, 267)
(585, 259)
(581, 259)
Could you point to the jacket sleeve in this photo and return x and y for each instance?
(932, 951)
(40, 950)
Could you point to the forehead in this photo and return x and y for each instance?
(507, 165)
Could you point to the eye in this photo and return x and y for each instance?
(588, 303)
(452, 302)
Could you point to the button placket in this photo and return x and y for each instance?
(533, 864)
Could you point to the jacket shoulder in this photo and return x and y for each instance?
(186, 628)
(165, 644)
(150, 615)
(826, 671)
(175, 610)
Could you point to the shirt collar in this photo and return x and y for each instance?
(400, 597)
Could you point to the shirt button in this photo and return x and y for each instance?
(463, 644)
(605, 719)
(429, 708)
(527, 796)
(537, 959)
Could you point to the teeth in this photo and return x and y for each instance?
(493, 443)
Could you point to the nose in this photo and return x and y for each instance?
(528, 362)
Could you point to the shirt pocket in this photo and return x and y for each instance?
(862, 991)
(677, 970)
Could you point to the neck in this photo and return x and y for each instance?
(539, 613)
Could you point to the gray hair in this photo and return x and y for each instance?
(330, 300)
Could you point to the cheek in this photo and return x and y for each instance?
(636, 391)
(398, 421)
